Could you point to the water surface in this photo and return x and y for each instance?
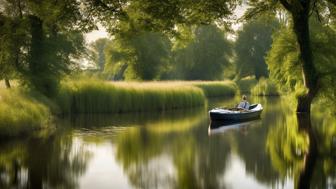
(169, 150)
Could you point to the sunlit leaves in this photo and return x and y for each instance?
(283, 58)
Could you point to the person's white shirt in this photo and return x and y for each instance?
(244, 104)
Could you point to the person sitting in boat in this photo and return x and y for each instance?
(244, 104)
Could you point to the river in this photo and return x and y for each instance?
(172, 150)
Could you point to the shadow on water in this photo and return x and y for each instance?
(174, 150)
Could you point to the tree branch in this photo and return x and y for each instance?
(287, 5)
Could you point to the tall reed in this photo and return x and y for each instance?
(217, 88)
(93, 96)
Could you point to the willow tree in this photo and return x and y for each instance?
(300, 11)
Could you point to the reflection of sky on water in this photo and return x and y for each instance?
(237, 178)
(103, 171)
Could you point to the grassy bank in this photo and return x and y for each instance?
(265, 87)
(20, 113)
(92, 96)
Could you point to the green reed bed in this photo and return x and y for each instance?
(21, 114)
(217, 88)
(93, 96)
(265, 87)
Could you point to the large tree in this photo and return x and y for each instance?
(205, 56)
(51, 38)
(253, 42)
(300, 11)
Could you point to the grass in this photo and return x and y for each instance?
(94, 96)
(20, 113)
(265, 87)
(217, 88)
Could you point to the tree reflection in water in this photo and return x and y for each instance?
(175, 151)
(303, 151)
(51, 161)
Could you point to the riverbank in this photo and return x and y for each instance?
(22, 112)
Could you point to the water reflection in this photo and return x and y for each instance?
(174, 150)
(217, 127)
(51, 161)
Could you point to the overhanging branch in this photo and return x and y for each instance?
(287, 5)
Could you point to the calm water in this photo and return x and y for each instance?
(170, 150)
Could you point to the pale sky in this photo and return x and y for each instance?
(96, 34)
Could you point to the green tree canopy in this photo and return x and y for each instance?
(253, 42)
(205, 57)
(96, 52)
(43, 38)
(284, 64)
(142, 56)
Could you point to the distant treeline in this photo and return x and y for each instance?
(203, 52)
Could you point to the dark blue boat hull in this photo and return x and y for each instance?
(234, 117)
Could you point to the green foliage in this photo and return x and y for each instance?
(153, 15)
(96, 53)
(21, 114)
(205, 57)
(12, 36)
(265, 87)
(245, 84)
(252, 44)
(41, 40)
(142, 56)
(92, 96)
(284, 64)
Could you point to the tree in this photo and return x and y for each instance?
(252, 44)
(97, 52)
(205, 57)
(300, 11)
(144, 55)
(12, 37)
(52, 32)
(285, 52)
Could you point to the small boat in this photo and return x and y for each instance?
(236, 114)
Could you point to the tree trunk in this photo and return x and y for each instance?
(309, 73)
(8, 85)
(37, 66)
